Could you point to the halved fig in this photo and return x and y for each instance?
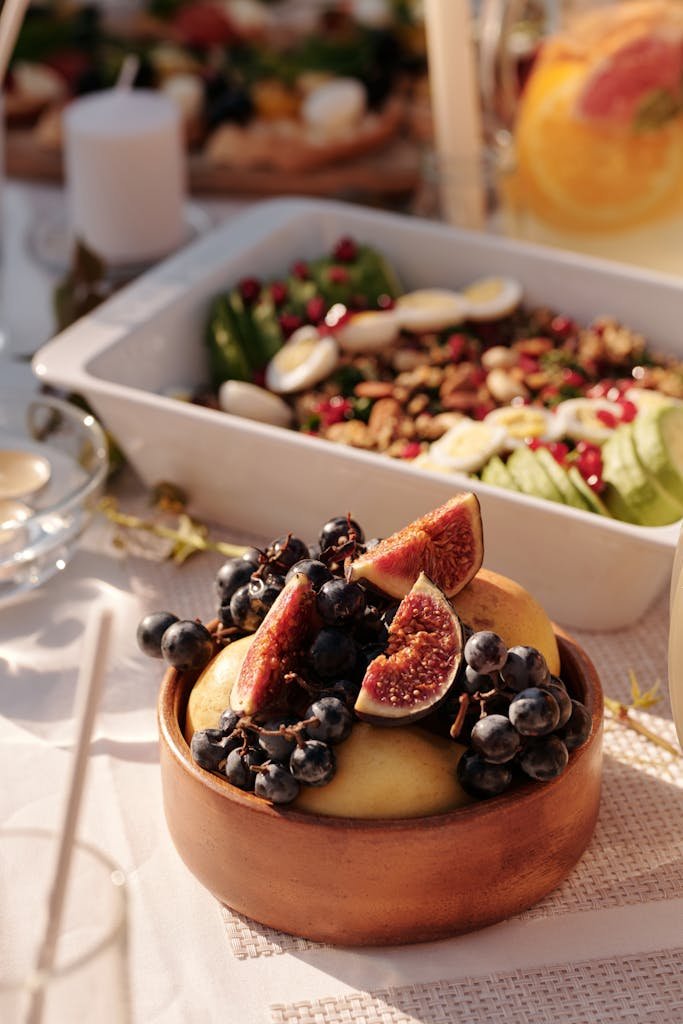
(421, 661)
(276, 649)
(447, 544)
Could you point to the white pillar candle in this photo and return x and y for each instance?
(456, 110)
(125, 174)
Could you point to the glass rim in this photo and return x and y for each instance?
(113, 932)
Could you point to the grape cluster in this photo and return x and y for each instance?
(275, 758)
(518, 718)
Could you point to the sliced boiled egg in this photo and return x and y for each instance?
(334, 105)
(467, 445)
(305, 359)
(520, 422)
(368, 331)
(253, 403)
(589, 419)
(646, 398)
(431, 309)
(490, 298)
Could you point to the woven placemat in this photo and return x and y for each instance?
(647, 989)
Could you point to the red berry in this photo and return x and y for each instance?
(629, 410)
(300, 270)
(338, 275)
(315, 309)
(345, 250)
(456, 346)
(249, 289)
(572, 378)
(606, 417)
(411, 450)
(563, 326)
(279, 292)
(289, 322)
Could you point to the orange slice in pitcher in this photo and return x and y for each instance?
(591, 175)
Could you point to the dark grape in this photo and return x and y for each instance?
(315, 570)
(477, 682)
(370, 628)
(334, 720)
(495, 738)
(337, 529)
(243, 611)
(544, 759)
(333, 653)
(345, 689)
(151, 630)
(286, 551)
(513, 674)
(228, 720)
(231, 575)
(314, 552)
(313, 763)
(481, 778)
(485, 652)
(275, 783)
(279, 747)
(534, 712)
(187, 645)
(534, 662)
(339, 602)
(208, 748)
(225, 616)
(238, 767)
(263, 593)
(578, 728)
(253, 556)
(559, 691)
(388, 614)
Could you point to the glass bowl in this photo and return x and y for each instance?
(53, 466)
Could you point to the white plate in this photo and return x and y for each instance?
(589, 571)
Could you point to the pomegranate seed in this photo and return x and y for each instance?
(528, 364)
(411, 450)
(563, 326)
(456, 346)
(279, 292)
(559, 451)
(345, 250)
(249, 289)
(300, 270)
(629, 410)
(533, 443)
(572, 378)
(481, 410)
(606, 417)
(289, 322)
(477, 376)
(550, 391)
(315, 309)
(385, 302)
(590, 464)
(334, 410)
(338, 275)
(599, 390)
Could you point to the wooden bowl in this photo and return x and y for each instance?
(356, 882)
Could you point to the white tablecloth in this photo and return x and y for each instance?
(605, 948)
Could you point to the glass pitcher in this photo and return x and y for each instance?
(583, 107)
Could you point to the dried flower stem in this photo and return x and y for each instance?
(641, 700)
(189, 536)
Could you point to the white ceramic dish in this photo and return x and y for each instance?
(588, 571)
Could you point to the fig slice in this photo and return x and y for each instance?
(276, 649)
(447, 544)
(421, 661)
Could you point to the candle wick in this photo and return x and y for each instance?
(129, 69)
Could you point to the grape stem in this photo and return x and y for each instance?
(464, 701)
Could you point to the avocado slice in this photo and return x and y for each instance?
(530, 476)
(558, 475)
(591, 497)
(632, 492)
(495, 472)
(658, 437)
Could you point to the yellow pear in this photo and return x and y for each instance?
(403, 772)
(210, 695)
(495, 602)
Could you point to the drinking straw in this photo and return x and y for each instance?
(11, 20)
(456, 110)
(88, 690)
